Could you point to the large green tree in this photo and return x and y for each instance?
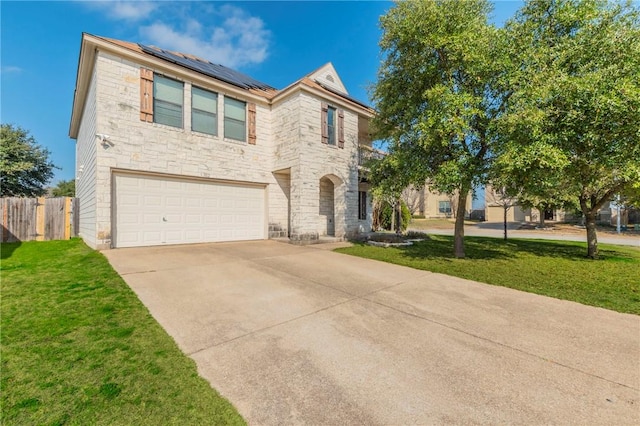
(389, 178)
(25, 167)
(575, 99)
(65, 188)
(435, 96)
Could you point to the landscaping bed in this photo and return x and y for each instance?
(389, 239)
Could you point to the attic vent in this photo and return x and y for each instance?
(330, 78)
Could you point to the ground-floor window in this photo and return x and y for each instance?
(362, 205)
(444, 207)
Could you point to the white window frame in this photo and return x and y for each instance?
(157, 117)
(213, 113)
(234, 120)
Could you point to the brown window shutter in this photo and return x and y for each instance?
(146, 95)
(340, 128)
(252, 124)
(324, 125)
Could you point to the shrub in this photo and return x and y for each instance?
(416, 235)
(387, 211)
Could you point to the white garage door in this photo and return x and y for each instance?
(156, 210)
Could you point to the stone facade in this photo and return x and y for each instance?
(288, 159)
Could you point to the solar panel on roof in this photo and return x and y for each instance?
(344, 95)
(208, 68)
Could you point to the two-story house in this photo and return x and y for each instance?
(173, 149)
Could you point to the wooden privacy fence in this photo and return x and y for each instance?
(40, 219)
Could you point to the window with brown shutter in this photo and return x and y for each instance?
(340, 128)
(324, 124)
(146, 95)
(252, 124)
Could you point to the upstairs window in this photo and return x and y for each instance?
(235, 119)
(331, 126)
(204, 111)
(167, 101)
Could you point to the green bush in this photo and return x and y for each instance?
(387, 211)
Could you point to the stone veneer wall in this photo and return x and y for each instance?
(289, 157)
(152, 147)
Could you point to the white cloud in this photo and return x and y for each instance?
(10, 69)
(237, 38)
(127, 10)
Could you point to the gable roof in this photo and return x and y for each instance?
(327, 76)
(324, 81)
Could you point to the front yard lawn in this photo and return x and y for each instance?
(553, 268)
(78, 347)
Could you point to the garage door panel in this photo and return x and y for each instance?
(150, 236)
(155, 211)
(226, 204)
(151, 201)
(172, 236)
(210, 203)
(191, 219)
(174, 186)
(149, 218)
(192, 201)
(132, 219)
(173, 201)
(210, 219)
(152, 183)
(192, 235)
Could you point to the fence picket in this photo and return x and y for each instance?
(26, 219)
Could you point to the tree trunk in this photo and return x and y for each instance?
(592, 237)
(541, 218)
(458, 236)
(398, 212)
(505, 209)
(393, 216)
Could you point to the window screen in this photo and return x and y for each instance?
(204, 111)
(234, 119)
(167, 101)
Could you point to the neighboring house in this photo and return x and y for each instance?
(495, 204)
(432, 204)
(173, 149)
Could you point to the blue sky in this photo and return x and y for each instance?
(275, 42)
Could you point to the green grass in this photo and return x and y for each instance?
(78, 347)
(553, 268)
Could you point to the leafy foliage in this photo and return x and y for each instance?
(65, 188)
(386, 213)
(435, 96)
(573, 122)
(25, 167)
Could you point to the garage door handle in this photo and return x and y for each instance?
(164, 219)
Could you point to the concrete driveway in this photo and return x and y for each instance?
(302, 335)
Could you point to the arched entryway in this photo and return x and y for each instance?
(329, 211)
